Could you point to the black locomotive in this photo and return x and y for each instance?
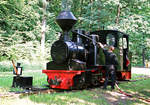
(77, 60)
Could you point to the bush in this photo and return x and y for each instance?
(4, 68)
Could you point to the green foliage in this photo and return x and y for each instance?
(21, 23)
(29, 50)
(20, 30)
(135, 22)
(26, 65)
(5, 68)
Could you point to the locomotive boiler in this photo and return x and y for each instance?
(78, 62)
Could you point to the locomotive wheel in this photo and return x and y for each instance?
(79, 82)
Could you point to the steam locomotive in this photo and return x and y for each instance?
(78, 62)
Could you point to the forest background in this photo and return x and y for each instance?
(28, 27)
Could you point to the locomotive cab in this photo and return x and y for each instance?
(120, 41)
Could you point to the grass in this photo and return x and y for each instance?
(138, 88)
(138, 76)
(67, 98)
(95, 96)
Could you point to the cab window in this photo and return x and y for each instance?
(110, 40)
(124, 43)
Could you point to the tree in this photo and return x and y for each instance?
(43, 27)
(21, 22)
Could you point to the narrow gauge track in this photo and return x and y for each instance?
(141, 78)
(50, 91)
(36, 90)
(30, 91)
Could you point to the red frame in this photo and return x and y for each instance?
(64, 76)
(124, 75)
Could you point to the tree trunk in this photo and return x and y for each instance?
(118, 14)
(43, 28)
(91, 9)
(99, 19)
(81, 8)
(143, 52)
(143, 57)
(43, 36)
